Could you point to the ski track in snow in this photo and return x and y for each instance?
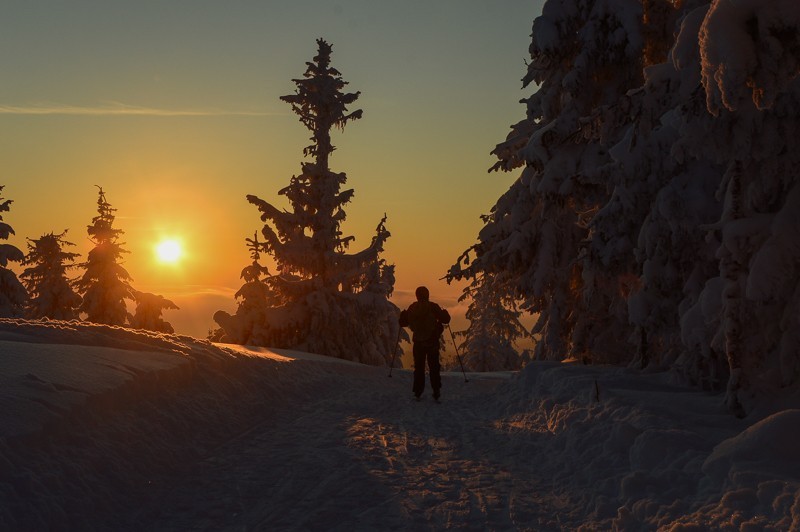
(385, 461)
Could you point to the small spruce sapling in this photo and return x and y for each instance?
(148, 314)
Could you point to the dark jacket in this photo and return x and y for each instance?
(426, 320)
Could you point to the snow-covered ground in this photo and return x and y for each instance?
(112, 429)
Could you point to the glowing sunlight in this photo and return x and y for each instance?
(169, 251)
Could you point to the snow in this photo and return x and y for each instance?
(116, 429)
(749, 48)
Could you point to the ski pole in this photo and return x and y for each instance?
(394, 354)
(453, 337)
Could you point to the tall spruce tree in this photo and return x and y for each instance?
(585, 55)
(749, 56)
(105, 285)
(692, 237)
(13, 296)
(648, 258)
(51, 292)
(670, 195)
(324, 300)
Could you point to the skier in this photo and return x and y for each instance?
(427, 320)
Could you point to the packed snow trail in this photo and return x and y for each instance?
(361, 455)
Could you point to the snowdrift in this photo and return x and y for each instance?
(94, 416)
(109, 428)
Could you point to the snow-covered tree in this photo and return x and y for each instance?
(494, 327)
(585, 55)
(255, 296)
(148, 314)
(750, 61)
(13, 296)
(105, 285)
(323, 299)
(668, 217)
(671, 194)
(649, 236)
(51, 292)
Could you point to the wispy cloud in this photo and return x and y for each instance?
(120, 109)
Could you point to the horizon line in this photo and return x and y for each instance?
(120, 109)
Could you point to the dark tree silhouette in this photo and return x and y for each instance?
(13, 296)
(322, 299)
(51, 292)
(148, 314)
(105, 285)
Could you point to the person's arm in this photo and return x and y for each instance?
(443, 316)
(404, 318)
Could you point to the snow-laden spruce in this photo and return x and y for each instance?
(668, 217)
(105, 283)
(722, 228)
(755, 133)
(253, 299)
(321, 299)
(585, 55)
(51, 292)
(13, 295)
(148, 313)
(651, 234)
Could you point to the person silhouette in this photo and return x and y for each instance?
(426, 320)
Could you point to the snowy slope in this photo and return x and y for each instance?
(106, 428)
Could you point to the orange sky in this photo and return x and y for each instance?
(174, 111)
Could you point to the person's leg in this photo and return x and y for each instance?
(419, 369)
(434, 370)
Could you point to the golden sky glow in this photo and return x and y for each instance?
(173, 108)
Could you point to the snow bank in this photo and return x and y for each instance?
(93, 417)
(634, 452)
(52, 368)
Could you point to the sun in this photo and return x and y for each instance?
(169, 251)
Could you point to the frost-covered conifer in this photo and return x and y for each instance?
(750, 61)
(649, 236)
(585, 55)
(494, 327)
(674, 204)
(724, 265)
(325, 300)
(675, 191)
(51, 292)
(13, 296)
(248, 325)
(148, 314)
(105, 285)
